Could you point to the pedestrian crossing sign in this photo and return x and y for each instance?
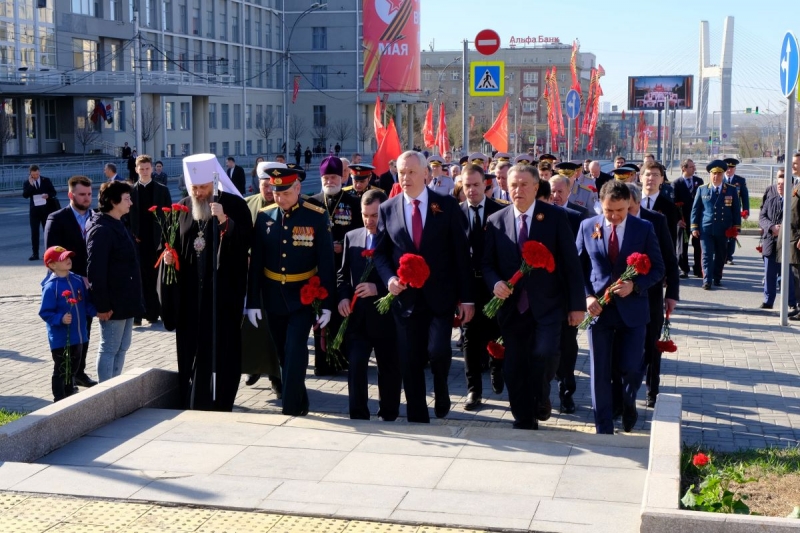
(487, 78)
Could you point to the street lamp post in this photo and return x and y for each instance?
(287, 69)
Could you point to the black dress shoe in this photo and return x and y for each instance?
(765, 306)
(651, 401)
(794, 311)
(252, 379)
(718, 283)
(567, 404)
(137, 321)
(34, 257)
(441, 406)
(498, 383)
(473, 402)
(544, 409)
(706, 287)
(730, 261)
(525, 425)
(795, 318)
(84, 381)
(277, 387)
(684, 275)
(629, 417)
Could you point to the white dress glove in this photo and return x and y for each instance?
(253, 315)
(323, 318)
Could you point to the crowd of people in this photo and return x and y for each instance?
(298, 264)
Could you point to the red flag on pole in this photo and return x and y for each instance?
(442, 136)
(427, 129)
(497, 135)
(389, 149)
(380, 131)
(296, 88)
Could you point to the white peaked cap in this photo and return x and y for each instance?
(262, 168)
(199, 169)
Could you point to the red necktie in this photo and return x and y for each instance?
(613, 245)
(522, 303)
(416, 224)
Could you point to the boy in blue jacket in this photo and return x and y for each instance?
(65, 306)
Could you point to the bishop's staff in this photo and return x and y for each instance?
(214, 261)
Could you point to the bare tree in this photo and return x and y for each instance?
(150, 126)
(7, 132)
(266, 124)
(342, 129)
(322, 133)
(297, 128)
(85, 133)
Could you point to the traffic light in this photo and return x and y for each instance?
(756, 110)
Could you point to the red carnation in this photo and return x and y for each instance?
(745, 213)
(640, 263)
(732, 232)
(666, 346)
(66, 294)
(314, 281)
(496, 349)
(759, 248)
(367, 254)
(700, 459)
(536, 255)
(153, 209)
(177, 207)
(321, 293)
(413, 270)
(307, 294)
(72, 301)
(166, 209)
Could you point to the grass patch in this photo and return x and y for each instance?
(755, 202)
(9, 416)
(749, 224)
(775, 489)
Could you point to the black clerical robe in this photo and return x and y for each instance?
(187, 305)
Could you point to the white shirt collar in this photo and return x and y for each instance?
(529, 212)
(621, 225)
(422, 197)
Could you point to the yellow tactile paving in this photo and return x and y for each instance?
(82, 528)
(9, 500)
(111, 515)
(359, 526)
(434, 529)
(172, 519)
(12, 524)
(302, 524)
(239, 522)
(44, 509)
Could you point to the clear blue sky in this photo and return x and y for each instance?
(630, 39)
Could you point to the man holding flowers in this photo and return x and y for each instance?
(534, 239)
(613, 246)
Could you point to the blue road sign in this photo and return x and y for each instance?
(487, 78)
(790, 64)
(573, 104)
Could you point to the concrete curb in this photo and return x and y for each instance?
(38, 433)
(661, 511)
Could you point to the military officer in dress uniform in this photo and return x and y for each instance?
(479, 158)
(582, 190)
(624, 173)
(525, 159)
(502, 157)
(440, 182)
(291, 244)
(731, 178)
(715, 210)
(362, 180)
(344, 214)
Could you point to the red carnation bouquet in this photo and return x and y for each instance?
(67, 364)
(665, 343)
(339, 339)
(413, 271)
(638, 264)
(313, 293)
(169, 233)
(496, 349)
(534, 255)
(733, 233)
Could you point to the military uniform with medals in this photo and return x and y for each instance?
(360, 173)
(583, 191)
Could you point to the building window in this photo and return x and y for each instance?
(170, 150)
(320, 76)
(196, 21)
(234, 28)
(259, 146)
(456, 75)
(183, 13)
(119, 115)
(212, 116)
(259, 116)
(259, 35)
(50, 131)
(226, 149)
(169, 111)
(81, 7)
(320, 119)
(84, 55)
(426, 75)
(223, 26)
(186, 116)
(319, 38)
(249, 147)
(454, 90)
(269, 147)
(562, 91)
(237, 118)
(238, 147)
(248, 117)
(225, 120)
(562, 77)
(212, 147)
(530, 77)
(167, 14)
(530, 91)
(210, 23)
(186, 149)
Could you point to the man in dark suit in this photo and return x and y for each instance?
(715, 211)
(477, 209)
(604, 243)
(655, 199)
(686, 187)
(658, 300)
(43, 201)
(600, 178)
(367, 329)
(344, 213)
(388, 178)
(770, 221)
(236, 174)
(530, 319)
(733, 179)
(146, 193)
(67, 228)
(423, 222)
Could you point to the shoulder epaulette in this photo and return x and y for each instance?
(587, 188)
(270, 206)
(348, 188)
(313, 207)
(501, 201)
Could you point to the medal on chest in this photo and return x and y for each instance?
(303, 236)
(342, 215)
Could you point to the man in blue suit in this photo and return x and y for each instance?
(604, 243)
(715, 210)
(731, 178)
(423, 222)
(530, 321)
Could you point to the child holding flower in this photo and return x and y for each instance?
(64, 308)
